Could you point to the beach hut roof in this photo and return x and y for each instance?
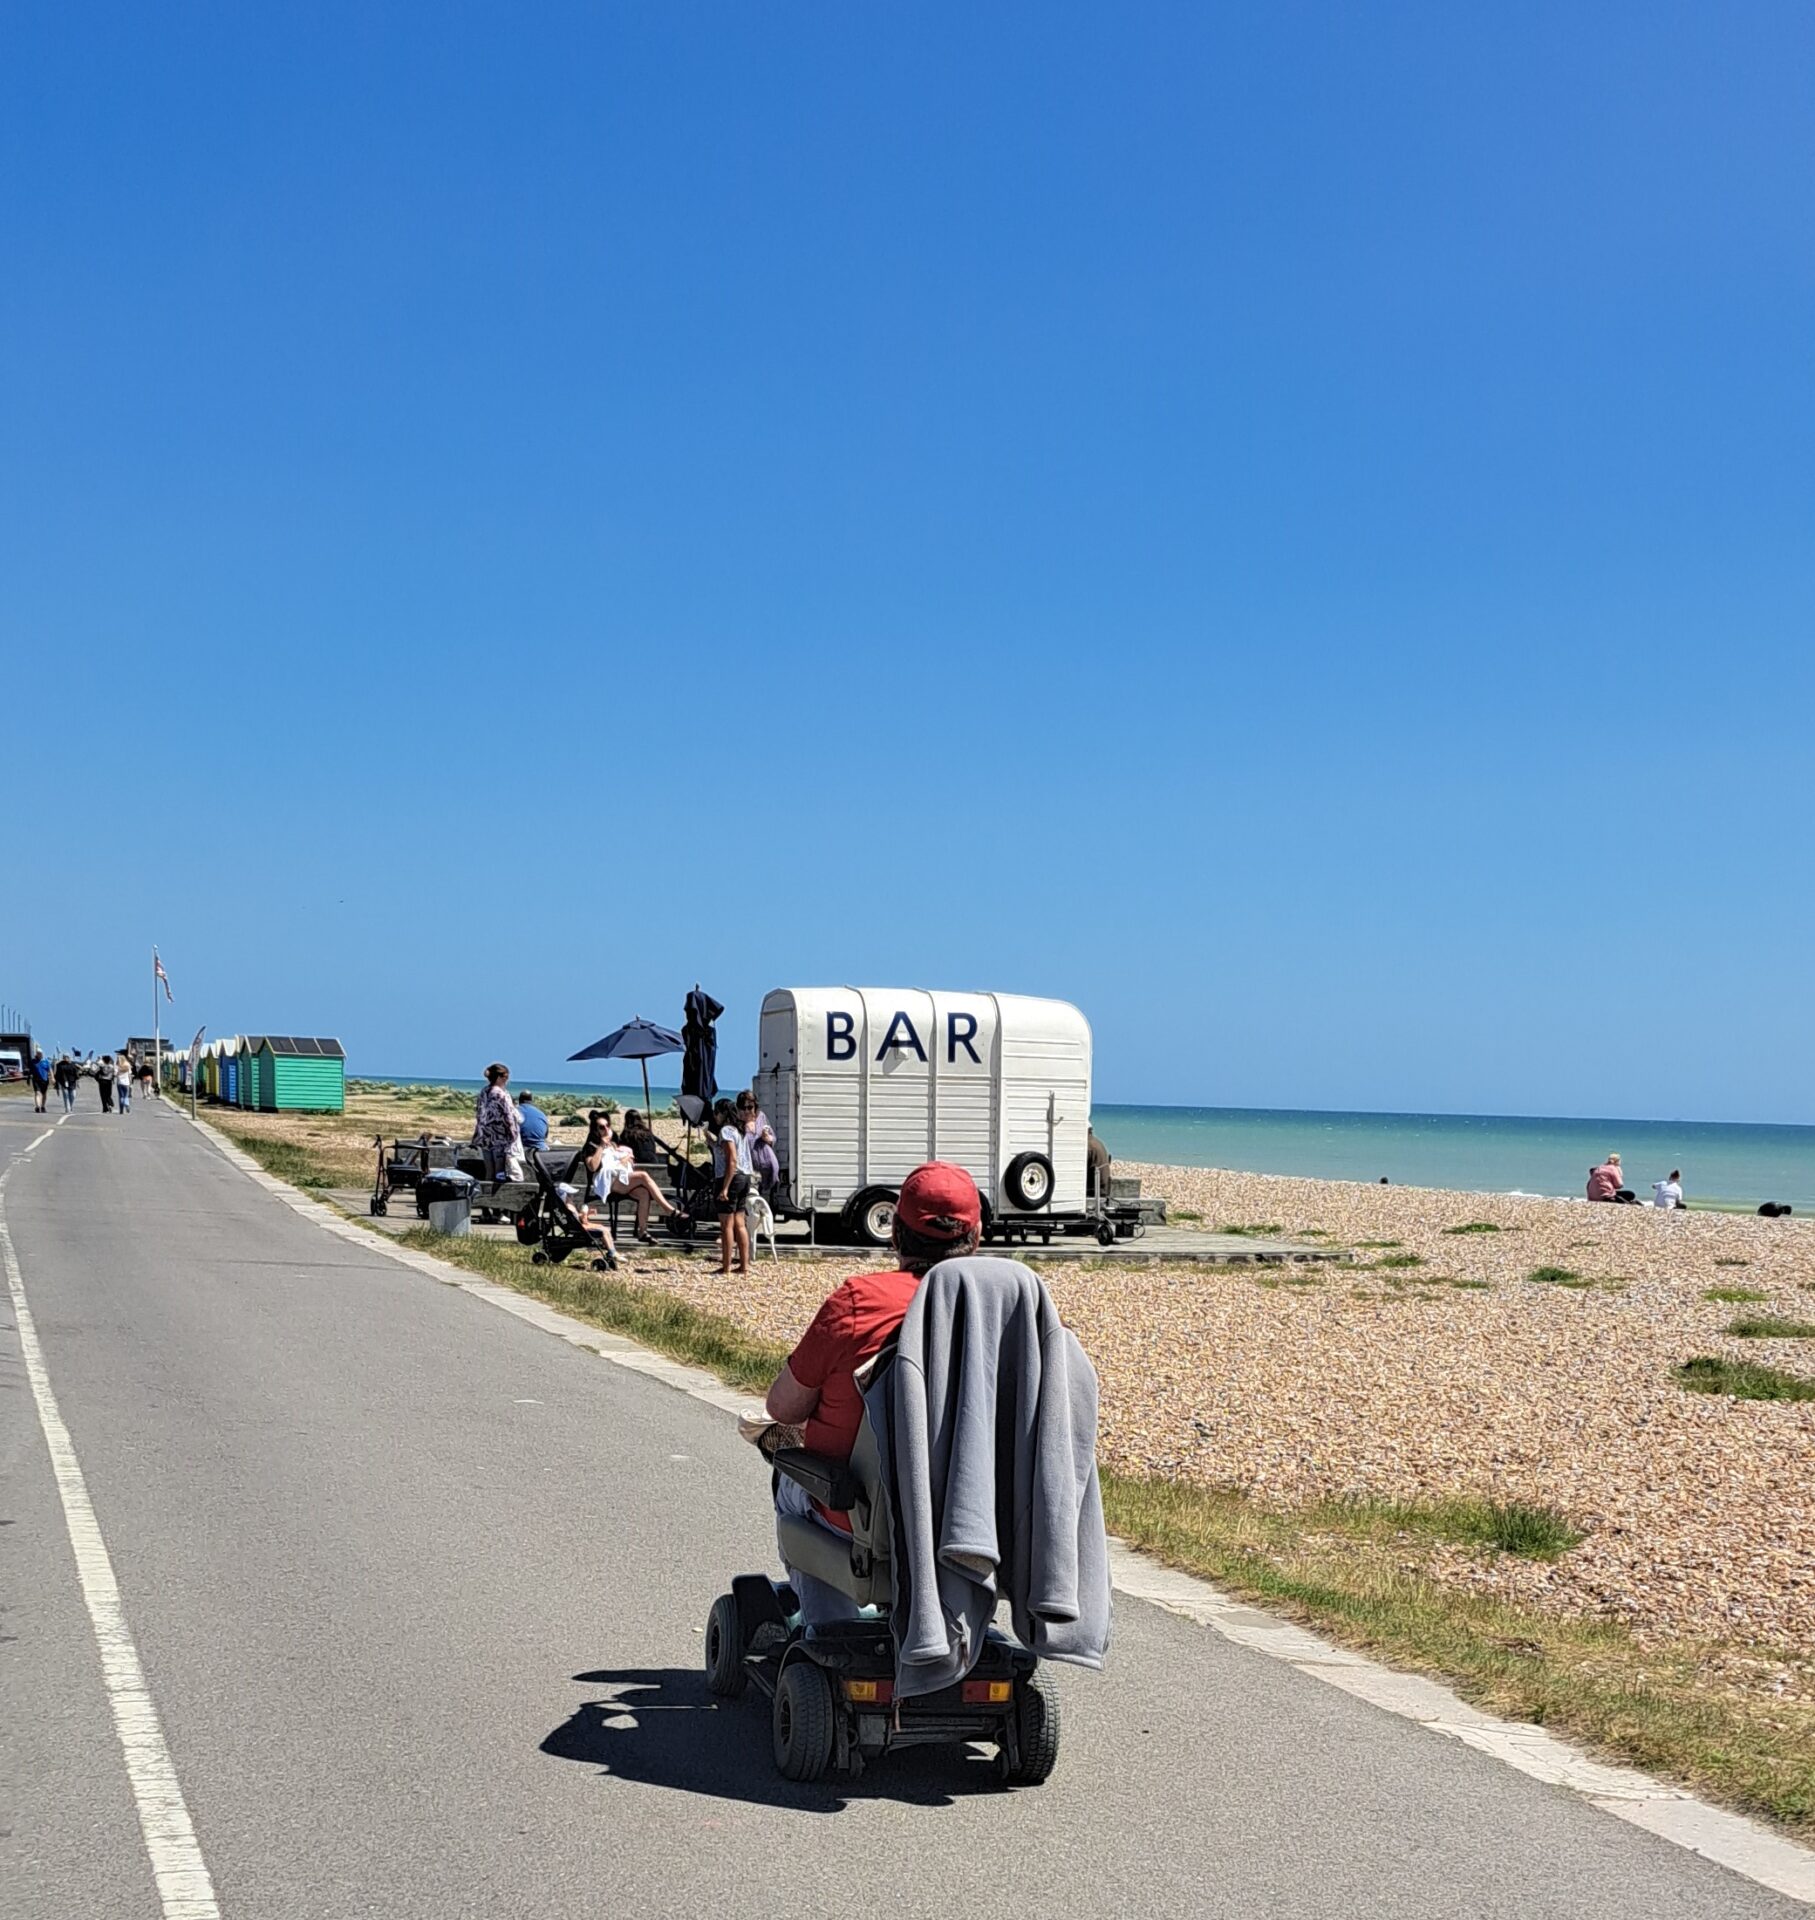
(304, 1048)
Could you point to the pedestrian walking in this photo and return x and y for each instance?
(39, 1072)
(66, 1075)
(123, 1082)
(104, 1081)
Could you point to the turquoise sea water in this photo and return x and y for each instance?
(1474, 1153)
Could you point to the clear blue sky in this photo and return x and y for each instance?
(1291, 527)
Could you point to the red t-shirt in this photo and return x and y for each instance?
(853, 1326)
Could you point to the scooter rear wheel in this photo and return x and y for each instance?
(1036, 1733)
(802, 1722)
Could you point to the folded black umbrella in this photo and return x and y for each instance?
(699, 1058)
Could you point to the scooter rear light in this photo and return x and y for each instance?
(988, 1693)
(869, 1693)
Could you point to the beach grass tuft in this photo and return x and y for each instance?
(1735, 1296)
(1741, 1380)
(1373, 1245)
(1558, 1277)
(1767, 1327)
(1733, 1263)
(1474, 1226)
(1401, 1260)
(1252, 1232)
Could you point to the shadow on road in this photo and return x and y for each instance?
(661, 1726)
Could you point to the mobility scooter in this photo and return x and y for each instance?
(831, 1691)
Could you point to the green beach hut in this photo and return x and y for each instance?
(250, 1073)
(300, 1076)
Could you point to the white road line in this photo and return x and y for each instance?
(185, 1891)
(1730, 1840)
(45, 1135)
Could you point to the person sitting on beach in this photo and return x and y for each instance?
(645, 1144)
(532, 1123)
(1668, 1194)
(1096, 1166)
(1608, 1182)
(609, 1175)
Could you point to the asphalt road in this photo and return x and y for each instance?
(417, 1590)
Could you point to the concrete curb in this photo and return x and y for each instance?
(1729, 1840)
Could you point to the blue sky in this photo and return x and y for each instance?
(1290, 527)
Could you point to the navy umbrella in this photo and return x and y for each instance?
(699, 1071)
(637, 1039)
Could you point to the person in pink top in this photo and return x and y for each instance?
(1608, 1181)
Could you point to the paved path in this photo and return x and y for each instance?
(416, 1590)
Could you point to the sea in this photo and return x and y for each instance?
(1723, 1164)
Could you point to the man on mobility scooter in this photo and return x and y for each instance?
(933, 1436)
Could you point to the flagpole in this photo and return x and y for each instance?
(157, 1065)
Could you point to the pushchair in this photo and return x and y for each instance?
(555, 1228)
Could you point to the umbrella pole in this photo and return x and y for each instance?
(648, 1117)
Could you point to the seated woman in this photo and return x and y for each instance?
(590, 1167)
(612, 1176)
(646, 1146)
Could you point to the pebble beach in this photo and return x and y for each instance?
(1426, 1363)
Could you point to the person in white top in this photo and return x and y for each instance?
(619, 1178)
(1669, 1192)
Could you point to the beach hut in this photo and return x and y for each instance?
(249, 1071)
(301, 1075)
(229, 1063)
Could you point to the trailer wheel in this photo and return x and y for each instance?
(870, 1218)
(1105, 1235)
(1029, 1180)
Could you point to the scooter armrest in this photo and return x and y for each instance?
(830, 1482)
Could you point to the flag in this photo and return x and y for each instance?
(158, 973)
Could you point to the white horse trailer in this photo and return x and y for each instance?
(862, 1084)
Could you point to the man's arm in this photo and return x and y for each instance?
(788, 1401)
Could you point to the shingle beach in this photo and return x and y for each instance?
(1457, 1375)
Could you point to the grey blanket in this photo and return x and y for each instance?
(987, 1425)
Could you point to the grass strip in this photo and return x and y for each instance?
(1735, 1296)
(1341, 1569)
(1558, 1277)
(644, 1313)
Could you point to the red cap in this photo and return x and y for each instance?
(940, 1201)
